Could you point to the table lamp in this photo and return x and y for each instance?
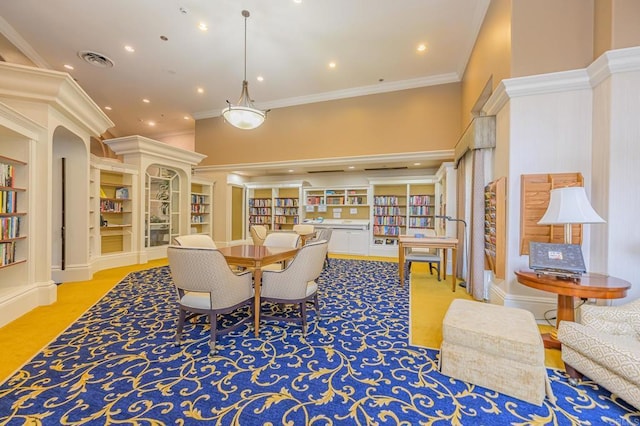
(568, 206)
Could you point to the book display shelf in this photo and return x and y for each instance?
(285, 205)
(337, 203)
(389, 213)
(421, 207)
(162, 206)
(260, 204)
(115, 212)
(201, 193)
(12, 212)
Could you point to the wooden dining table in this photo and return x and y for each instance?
(251, 256)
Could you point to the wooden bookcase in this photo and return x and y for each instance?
(535, 193)
(329, 203)
(12, 213)
(389, 213)
(495, 226)
(201, 193)
(285, 208)
(115, 212)
(260, 207)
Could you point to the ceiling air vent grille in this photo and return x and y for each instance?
(324, 171)
(386, 168)
(96, 59)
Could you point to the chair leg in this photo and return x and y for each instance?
(214, 331)
(326, 260)
(181, 318)
(303, 315)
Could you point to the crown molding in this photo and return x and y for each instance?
(21, 44)
(393, 86)
(614, 62)
(136, 145)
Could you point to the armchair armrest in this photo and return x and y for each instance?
(618, 320)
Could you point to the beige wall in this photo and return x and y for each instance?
(490, 58)
(626, 24)
(550, 36)
(412, 120)
(602, 24)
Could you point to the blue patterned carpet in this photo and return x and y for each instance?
(118, 365)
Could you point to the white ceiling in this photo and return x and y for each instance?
(289, 43)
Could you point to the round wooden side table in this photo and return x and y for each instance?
(588, 286)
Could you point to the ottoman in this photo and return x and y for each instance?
(495, 347)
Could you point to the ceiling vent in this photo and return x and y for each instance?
(386, 168)
(96, 59)
(325, 171)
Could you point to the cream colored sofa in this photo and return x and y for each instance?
(605, 346)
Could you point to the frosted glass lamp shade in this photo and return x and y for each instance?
(569, 205)
(244, 115)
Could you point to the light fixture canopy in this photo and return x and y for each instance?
(569, 206)
(244, 115)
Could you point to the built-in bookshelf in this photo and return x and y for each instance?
(201, 193)
(389, 213)
(285, 208)
(494, 226)
(421, 209)
(260, 207)
(115, 212)
(337, 203)
(12, 213)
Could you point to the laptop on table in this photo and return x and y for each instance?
(559, 260)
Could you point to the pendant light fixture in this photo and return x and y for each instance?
(244, 115)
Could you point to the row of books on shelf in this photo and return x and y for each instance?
(387, 230)
(261, 211)
(286, 211)
(421, 222)
(259, 202)
(388, 211)
(387, 200)
(421, 210)
(286, 202)
(110, 206)
(198, 219)
(259, 220)
(10, 227)
(198, 208)
(389, 220)
(8, 202)
(421, 200)
(285, 219)
(314, 201)
(7, 175)
(198, 199)
(7, 253)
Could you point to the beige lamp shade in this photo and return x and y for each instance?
(569, 206)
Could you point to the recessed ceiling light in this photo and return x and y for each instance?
(108, 108)
(186, 117)
(332, 64)
(203, 26)
(260, 78)
(290, 170)
(146, 101)
(200, 90)
(422, 47)
(129, 48)
(152, 123)
(69, 67)
(352, 167)
(297, 1)
(416, 164)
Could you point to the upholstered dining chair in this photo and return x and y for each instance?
(303, 228)
(258, 234)
(206, 285)
(324, 234)
(296, 283)
(195, 240)
(280, 239)
(430, 256)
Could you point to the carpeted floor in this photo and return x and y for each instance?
(118, 364)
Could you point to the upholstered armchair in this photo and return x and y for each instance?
(605, 346)
(296, 283)
(280, 239)
(195, 240)
(303, 228)
(258, 234)
(206, 285)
